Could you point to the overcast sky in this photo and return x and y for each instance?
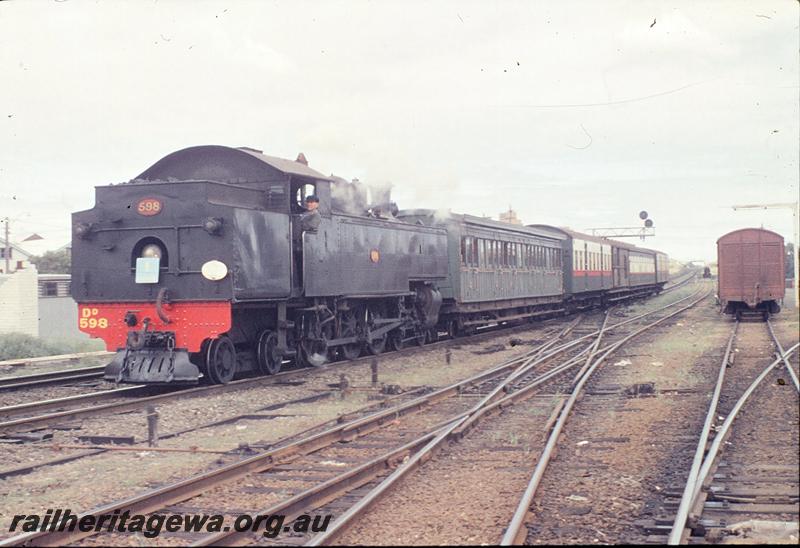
(575, 113)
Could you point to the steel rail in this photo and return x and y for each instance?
(127, 406)
(57, 358)
(184, 489)
(783, 356)
(43, 379)
(516, 526)
(318, 495)
(681, 283)
(458, 426)
(678, 527)
(58, 403)
(176, 492)
(697, 461)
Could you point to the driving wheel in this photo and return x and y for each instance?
(221, 360)
(349, 328)
(378, 344)
(268, 357)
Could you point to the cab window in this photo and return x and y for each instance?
(301, 192)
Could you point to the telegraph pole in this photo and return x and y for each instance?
(795, 207)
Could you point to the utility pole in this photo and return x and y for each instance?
(7, 250)
(795, 207)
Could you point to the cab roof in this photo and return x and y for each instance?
(227, 165)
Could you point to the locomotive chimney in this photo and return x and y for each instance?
(301, 159)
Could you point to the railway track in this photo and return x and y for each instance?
(51, 378)
(517, 387)
(518, 527)
(444, 402)
(34, 415)
(306, 473)
(745, 466)
(70, 376)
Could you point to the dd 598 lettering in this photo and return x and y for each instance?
(90, 320)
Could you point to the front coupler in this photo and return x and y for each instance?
(151, 357)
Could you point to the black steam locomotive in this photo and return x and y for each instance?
(201, 268)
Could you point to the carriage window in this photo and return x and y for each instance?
(469, 251)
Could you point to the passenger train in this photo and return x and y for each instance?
(198, 270)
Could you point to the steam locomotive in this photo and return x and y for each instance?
(200, 269)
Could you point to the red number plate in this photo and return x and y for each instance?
(149, 207)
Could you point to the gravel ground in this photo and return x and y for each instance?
(17, 397)
(638, 447)
(482, 488)
(466, 493)
(7, 371)
(65, 485)
(256, 492)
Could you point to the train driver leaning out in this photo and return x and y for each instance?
(311, 219)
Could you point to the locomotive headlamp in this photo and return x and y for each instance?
(213, 225)
(214, 270)
(152, 251)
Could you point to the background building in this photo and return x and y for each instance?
(19, 302)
